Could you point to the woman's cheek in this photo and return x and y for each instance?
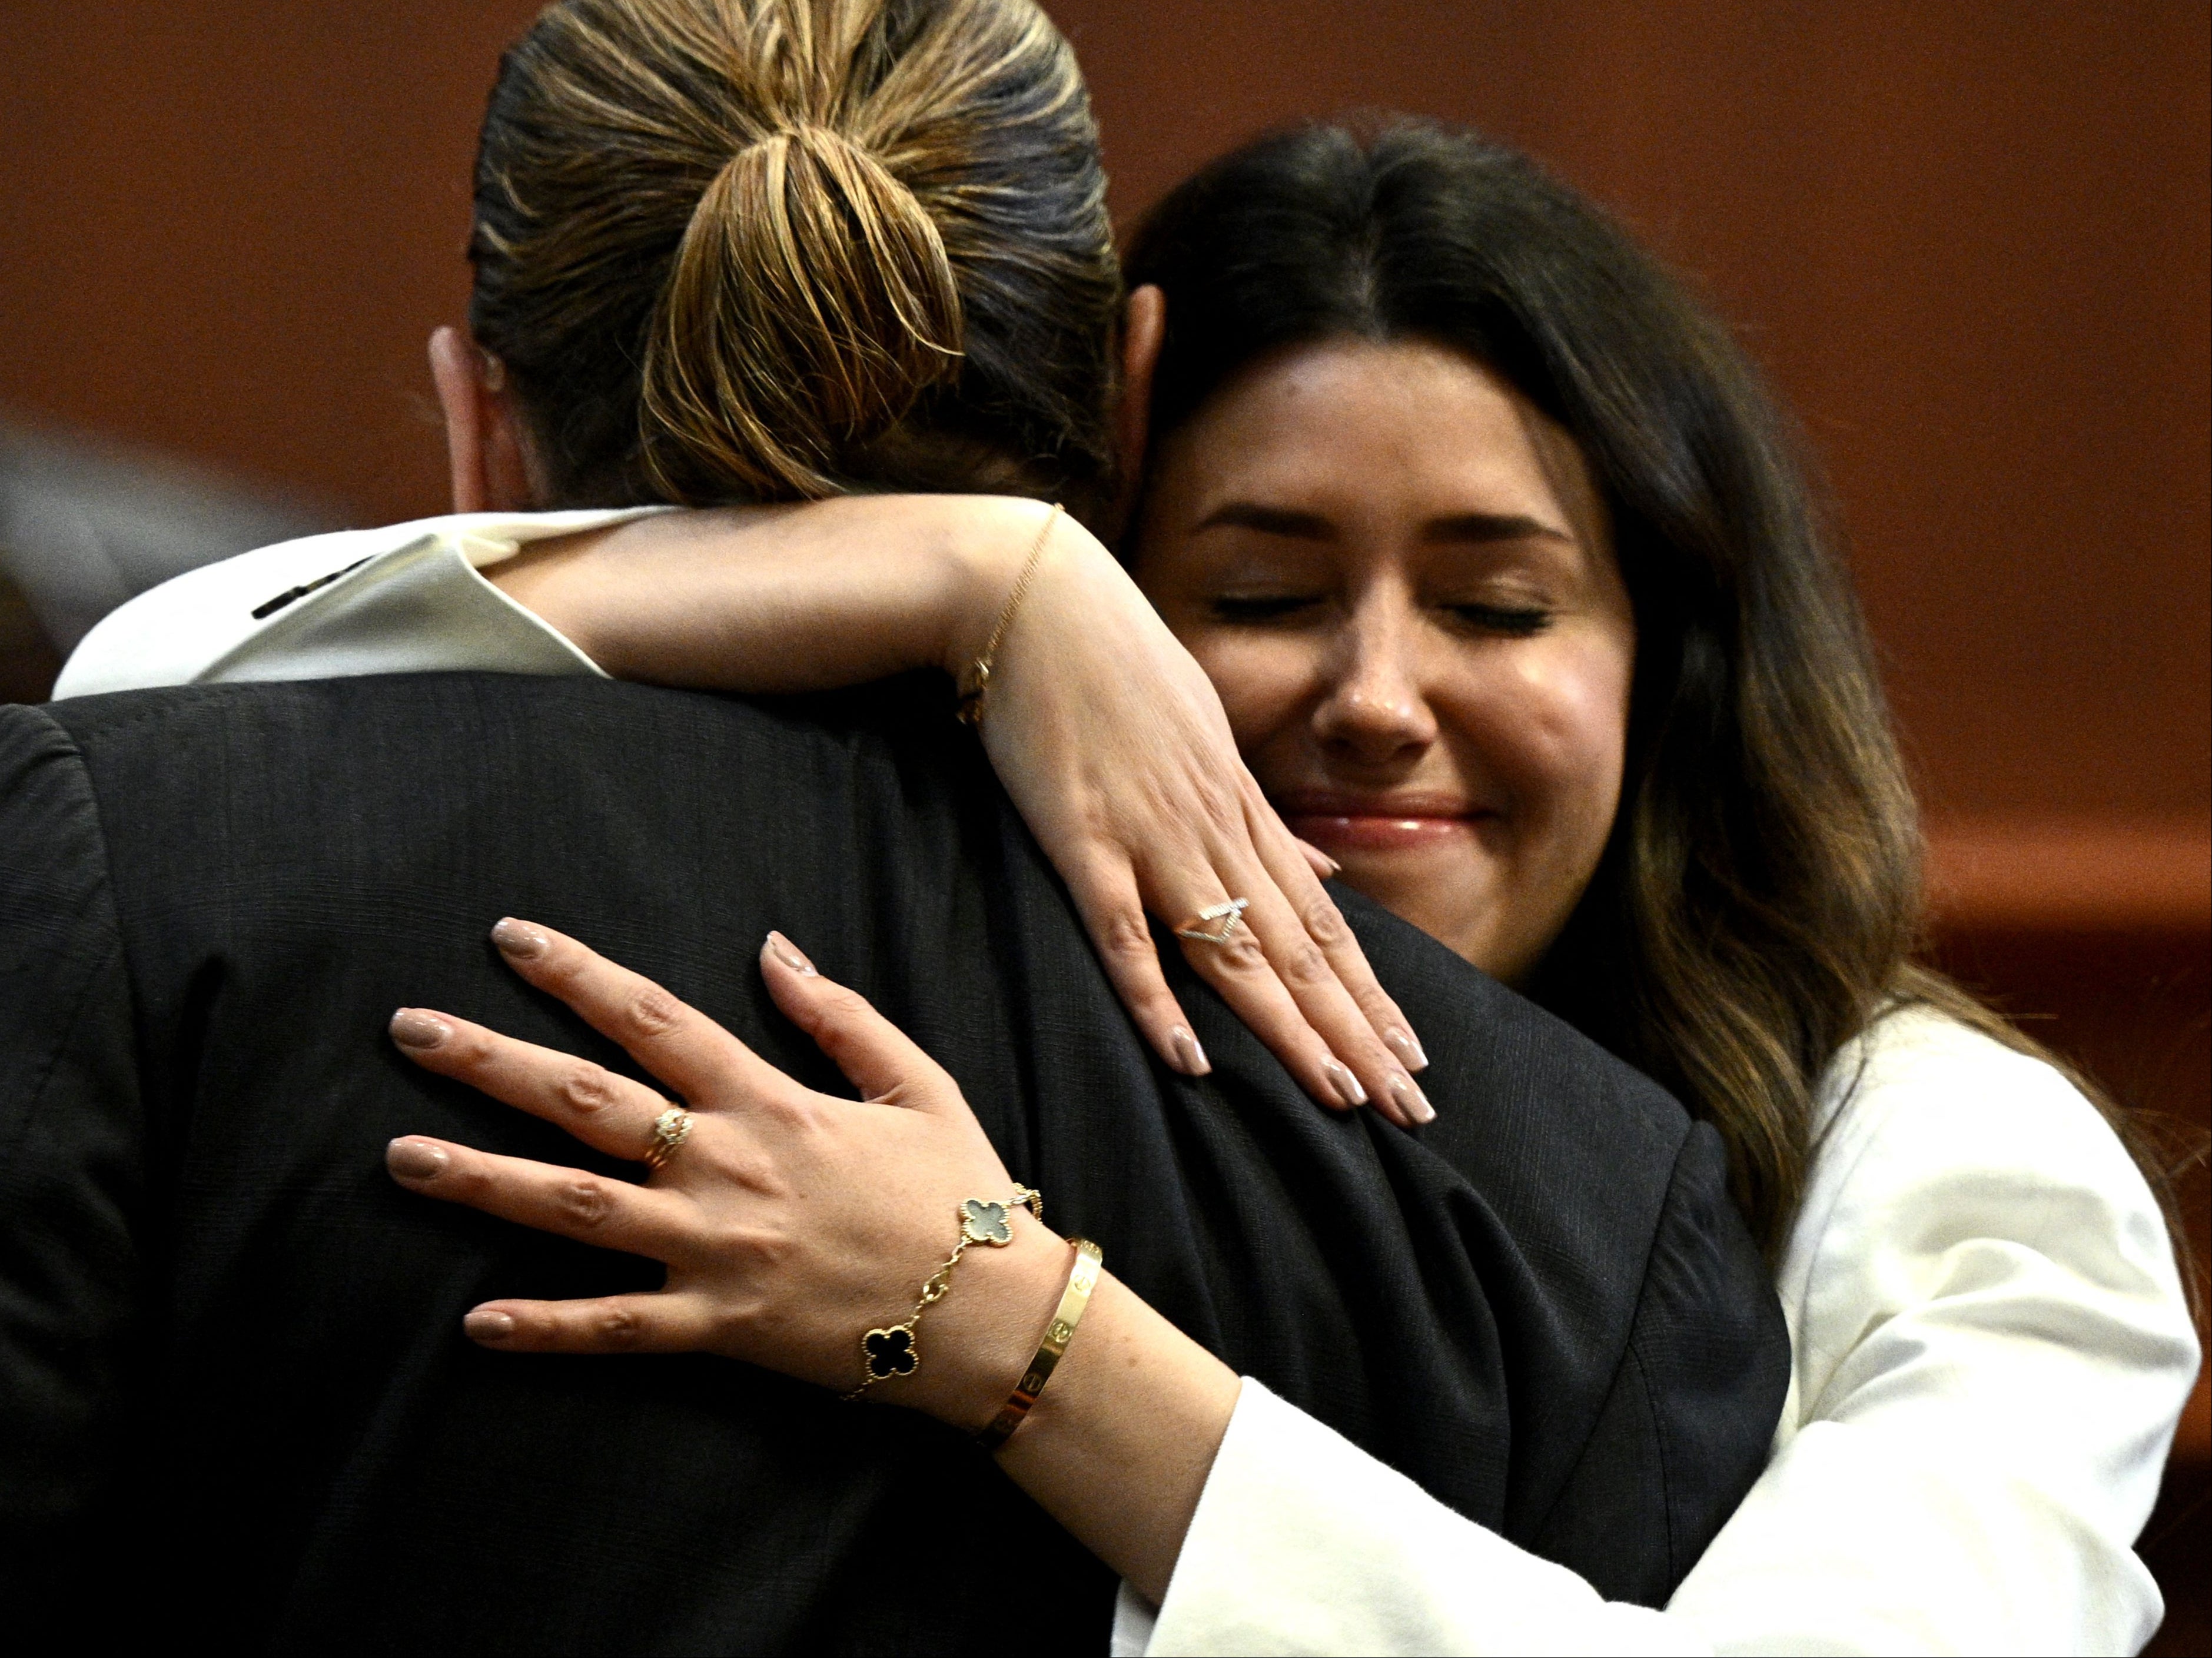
(1550, 721)
(1264, 681)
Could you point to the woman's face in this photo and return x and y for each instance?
(1399, 577)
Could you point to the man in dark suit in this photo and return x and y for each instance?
(235, 1401)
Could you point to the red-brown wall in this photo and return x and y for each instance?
(1970, 240)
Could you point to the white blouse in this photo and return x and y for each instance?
(1991, 1345)
(406, 599)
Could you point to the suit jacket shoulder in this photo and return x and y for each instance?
(285, 863)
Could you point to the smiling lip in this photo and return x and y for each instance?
(1377, 822)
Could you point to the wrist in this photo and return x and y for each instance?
(979, 1339)
(991, 544)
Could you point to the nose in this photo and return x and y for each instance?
(1373, 710)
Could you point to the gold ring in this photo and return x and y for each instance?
(1223, 917)
(670, 1130)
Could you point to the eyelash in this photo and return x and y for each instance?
(1252, 612)
(1515, 624)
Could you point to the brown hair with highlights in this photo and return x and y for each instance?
(762, 249)
(1760, 902)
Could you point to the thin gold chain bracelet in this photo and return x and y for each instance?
(894, 1350)
(978, 681)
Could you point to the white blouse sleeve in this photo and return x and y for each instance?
(1991, 1352)
(407, 598)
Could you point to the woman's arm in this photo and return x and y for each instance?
(1107, 734)
(791, 1222)
(1992, 1350)
(1109, 737)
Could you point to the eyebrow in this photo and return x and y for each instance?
(1269, 520)
(1491, 526)
(1461, 527)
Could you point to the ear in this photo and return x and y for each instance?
(486, 447)
(1143, 326)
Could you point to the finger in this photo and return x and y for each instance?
(662, 1323)
(1106, 897)
(676, 1042)
(1324, 867)
(1237, 964)
(609, 1112)
(569, 1202)
(1307, 974)
(876, 1056)
(1325, 925)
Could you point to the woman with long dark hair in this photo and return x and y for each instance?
(1508, 588)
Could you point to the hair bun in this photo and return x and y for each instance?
(811, 302)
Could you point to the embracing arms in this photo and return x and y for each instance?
(1107, 734)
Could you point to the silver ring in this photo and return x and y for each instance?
(670, 1130)
(1224, 918)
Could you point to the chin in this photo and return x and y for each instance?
(1451, 898)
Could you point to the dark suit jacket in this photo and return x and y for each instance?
(235, 1404)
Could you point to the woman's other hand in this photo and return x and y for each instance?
(791, 1221)
(1112, 742)
(1105, 732)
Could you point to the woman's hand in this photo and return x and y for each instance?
(1107, 734)
(1114, 744)
(791, 1221)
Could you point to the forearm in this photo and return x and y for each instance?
(781, 599)
(1120, 1444)
(1120, 1441)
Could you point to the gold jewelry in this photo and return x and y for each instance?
(1082, 1278)
(894, 1351)
(1225, 917)
(670, 1130)
(970, 708)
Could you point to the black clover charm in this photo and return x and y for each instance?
(889, 1352)
(983, 1222)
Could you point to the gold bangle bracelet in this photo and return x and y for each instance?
(1082, 1278)
(971, 707)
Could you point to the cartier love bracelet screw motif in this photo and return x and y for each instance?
(893, 1352)
(1082, 1278)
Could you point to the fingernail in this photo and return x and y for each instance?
(1336, 869)
(1347, 1087)
(790, 955)
(488, 1324)
(414, 1160)
(1413, 1102)
(1408, 1046)
(412, 1028)
(519, 939)
(1190, 1058)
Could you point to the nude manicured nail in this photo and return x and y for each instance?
(519, 939)
(1190, 1058)
(790, 955)
(414, 1160)
(1413, 1102)
(1348, 1091)
(413, 1028)
(488, 1324)
(1408, 1046)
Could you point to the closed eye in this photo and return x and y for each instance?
(1495, 619)
(1258, 608)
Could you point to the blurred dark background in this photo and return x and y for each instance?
(1973, 242)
